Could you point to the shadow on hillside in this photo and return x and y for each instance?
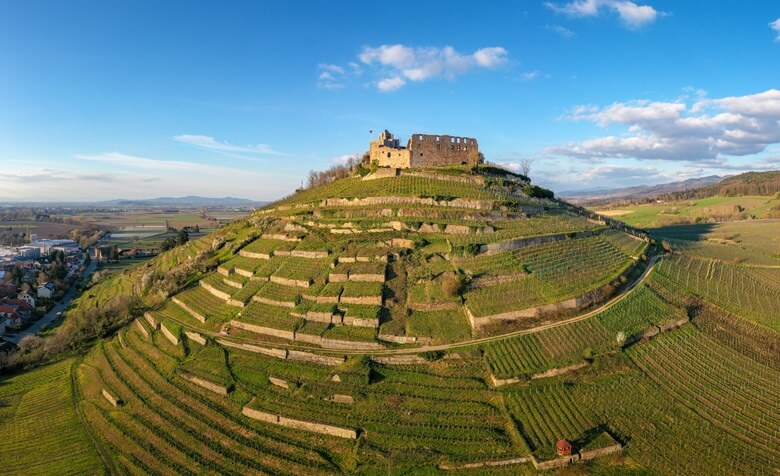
(695, 232)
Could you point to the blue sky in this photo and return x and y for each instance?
(137, 99)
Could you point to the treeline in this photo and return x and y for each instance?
(750, 183)
(338, 171)
(83, 325)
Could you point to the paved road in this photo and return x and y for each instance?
(52, 314)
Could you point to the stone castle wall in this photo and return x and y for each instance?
(424, 150)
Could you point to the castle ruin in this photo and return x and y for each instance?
(424, 150)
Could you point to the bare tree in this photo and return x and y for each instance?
(525, 166)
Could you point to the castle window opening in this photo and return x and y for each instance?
(388, 155)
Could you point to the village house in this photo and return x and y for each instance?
(46, 291)
(27, 298)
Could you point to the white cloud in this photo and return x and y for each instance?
(208, 142)
(395, 65)
(775, 25)
(529, 75)
(331, 76)
(490, 57)
(708, 130)
(563, 32)
(630, 13)
(124, 160)
(390, 84)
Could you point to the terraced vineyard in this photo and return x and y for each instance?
(37, 411)
(433, 322)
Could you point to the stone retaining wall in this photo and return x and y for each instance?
(111, 399)
(296, 283)
(243, 272)
(151, 320)
(232, 283)
(216, 292)
(320, 316)
(404, 339)
(168, 334)
(483, 464)
(281, 237)
(370, 278)
(308, 338)
(336, 398)
(273, 302)
(555, 463)
(216, 388)
(309, 254)
(374, 201)
(122, 339)
(269, 351)
(590, 454)
(195, 337)
(559, 370)
(301, 356)
(269, 331)
(400, 360)
(142, 328)
(189, 310)
(300, 424)
(224, 271)
(350, 344)
(368, 300)
(278, 382)
(251, 254)
(358, 322)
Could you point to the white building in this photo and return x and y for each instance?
(28, 298)
(46, 291)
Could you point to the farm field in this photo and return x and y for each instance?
(691, 211)
(288, 342)
(40, 425)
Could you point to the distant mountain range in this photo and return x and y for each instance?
(639, 191)
(183, 201)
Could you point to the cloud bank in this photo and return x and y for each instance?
(631, 14)
(707, 130)
(394, 66)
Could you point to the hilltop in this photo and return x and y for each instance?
(432, 320)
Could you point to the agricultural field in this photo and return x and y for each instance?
(717, 208)
(41, 428)
(275, 345)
